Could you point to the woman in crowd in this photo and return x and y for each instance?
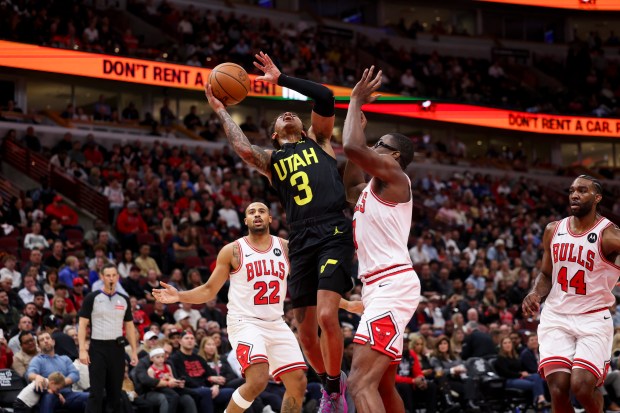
(167, 231)
(456, 341)
(35, 239)
(451, 374)
(51, 279)
(411, 382)
(125, 264)
(508, 365)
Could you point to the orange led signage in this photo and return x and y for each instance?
(593, 5)
(498, 118)
(76, 63)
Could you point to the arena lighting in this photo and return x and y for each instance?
(590, 5)
(499, 118)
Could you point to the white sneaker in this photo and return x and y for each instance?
(268, 409)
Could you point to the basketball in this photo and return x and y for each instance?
(230, 83)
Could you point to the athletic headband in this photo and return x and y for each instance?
(156, 352)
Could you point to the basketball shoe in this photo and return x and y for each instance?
(335, 402)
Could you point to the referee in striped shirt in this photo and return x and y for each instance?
(107, 311)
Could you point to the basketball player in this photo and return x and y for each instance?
(257, 266)
(303, 170)
(381, 222)
(579, 270)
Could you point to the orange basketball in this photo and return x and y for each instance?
(230, 83)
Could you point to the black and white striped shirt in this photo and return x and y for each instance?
(107, 314)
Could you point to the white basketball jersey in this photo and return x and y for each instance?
(380, 232)
(582, 277)
(258, 286)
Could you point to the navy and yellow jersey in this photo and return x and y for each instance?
(307, 180)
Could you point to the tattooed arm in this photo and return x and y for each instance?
(251, 154)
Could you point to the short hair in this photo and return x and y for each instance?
(23, 334)
(595, 182)
(106, 266)
(56, 378)
(405, 147)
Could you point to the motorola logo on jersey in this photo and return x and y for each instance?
(592, 237)
(277, 252)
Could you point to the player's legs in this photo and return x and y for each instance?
(295, 384)
(328, 303)
(256, 379)
(583, 386)
(367, 371)
(307, 327)
(559, 383)
(389, 394)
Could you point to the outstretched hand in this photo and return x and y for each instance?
(531, 304)
(166, 295)
(214, 102)
(266, 65)
(364, 89)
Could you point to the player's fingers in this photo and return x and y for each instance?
(364, 74)
(375, 97)
(259, 66)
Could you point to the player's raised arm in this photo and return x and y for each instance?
(323, 115)
(208, 290)
(382, 166)
(251, 154)
(542, 284)
(353, 178)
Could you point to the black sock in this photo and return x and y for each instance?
(332, 384)
(323, 378)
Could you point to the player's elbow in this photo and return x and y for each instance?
(353, 151)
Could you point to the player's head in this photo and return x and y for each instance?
(398, 145)
(286, 125)
(584, 195)
(257, 218)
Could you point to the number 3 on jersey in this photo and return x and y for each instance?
(300, 180)
(262, 288)
(577, 281)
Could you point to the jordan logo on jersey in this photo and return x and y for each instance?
(566, 251)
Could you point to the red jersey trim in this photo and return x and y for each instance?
(600, 250)
(236, 270)
(568, 221)
(595, 311)
(588, 365)
(300, 365)
(391, 267)
(386, 275)
(256, 249)
(378, 198)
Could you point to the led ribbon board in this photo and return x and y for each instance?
(591, 5)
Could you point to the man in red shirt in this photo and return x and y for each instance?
(130, 223)
(67, 216)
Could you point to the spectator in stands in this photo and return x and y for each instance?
(24, 325)
(530, 357)
(57, 258)
(17, 214)
(160, 314)
(196, 372)
(509, 366)
(191, 120)
(81, 115)
(417, 253)
(116, 198)
(47, 362)
(477, 343)
(70, 271)
(31, 141)
(152, 281)
(6, 354)
(180, 249)
(64, 145)
(30, 288)
(101, 110)
(130, 113)
(9, 262)
(76, 154)
(35, 239)
(408, 83)
(91, 237)
(212, 313)
(9, 315)
(63, 212)
(6, 284)
(42, 304)
(229, 214)
(129, 224)
(145, 262)
(133, 285)
(125, 264)
(193, 314)
(93, 153)
(28, 350)
(49, 285)
(166, 116)
(450, 372)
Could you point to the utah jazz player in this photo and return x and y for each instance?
(303, 170)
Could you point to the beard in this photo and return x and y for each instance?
(258, 231)
(584, 209)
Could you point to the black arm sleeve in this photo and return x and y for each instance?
(323, 97)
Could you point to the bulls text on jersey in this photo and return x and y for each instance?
(262, 268)
(567, 252)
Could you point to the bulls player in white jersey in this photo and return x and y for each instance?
(579, 270)
(381, 224)
(258, 267)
